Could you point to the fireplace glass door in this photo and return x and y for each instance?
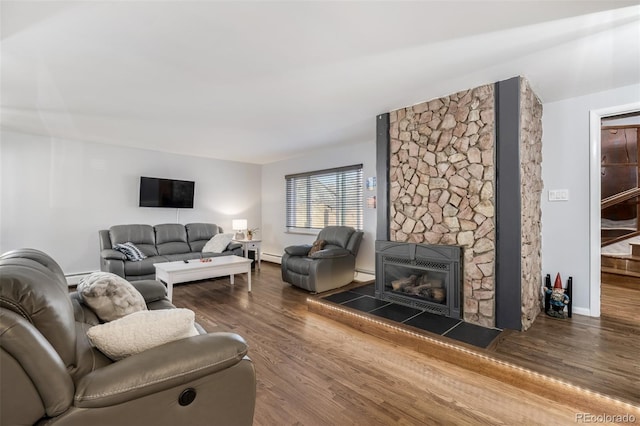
(417, 283)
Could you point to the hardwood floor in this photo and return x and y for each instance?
(315, 371)
(596, 353)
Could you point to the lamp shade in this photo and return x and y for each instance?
(239, 224)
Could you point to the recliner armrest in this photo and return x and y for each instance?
(301, 250)
(330, 253)
(112, 254)
(164, 367)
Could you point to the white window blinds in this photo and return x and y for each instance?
(325, 197)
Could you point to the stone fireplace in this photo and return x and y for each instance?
(465, 170)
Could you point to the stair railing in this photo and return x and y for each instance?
(617, 199)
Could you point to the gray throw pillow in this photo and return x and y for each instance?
(110, 296)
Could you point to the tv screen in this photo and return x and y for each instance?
(156, 192)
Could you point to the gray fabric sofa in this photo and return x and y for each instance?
(332, 267)
(167, 242)
(51, 374)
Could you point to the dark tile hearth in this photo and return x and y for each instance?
(367, 290)
(395, 312)
(365, 303)
(345, 296)
(434, 323)
(473, 334)
(362, 299)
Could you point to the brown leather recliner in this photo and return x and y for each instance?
(50, 373)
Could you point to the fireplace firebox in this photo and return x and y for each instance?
(422, 276)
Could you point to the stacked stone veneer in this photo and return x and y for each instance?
(531, 191)
(441, 186)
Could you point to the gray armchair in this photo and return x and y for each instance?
(332, 267)
(50, 373)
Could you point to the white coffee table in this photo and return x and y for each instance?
(180, 272)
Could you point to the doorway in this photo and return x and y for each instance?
(620, 183)
(598, 119)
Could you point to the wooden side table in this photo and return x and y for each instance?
(251, 245)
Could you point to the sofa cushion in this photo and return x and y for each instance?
(142, 236)
(173, 248)
(207, 254)
(140, 331)
(171, 238)
(130, 250)
(218, 243)
(199, 233)
(182, 256)
(110, 296)
(144, 267)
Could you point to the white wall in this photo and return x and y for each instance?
(273, 231)
(56, 194)
(565, 165)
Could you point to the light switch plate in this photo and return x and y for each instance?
(558, 195)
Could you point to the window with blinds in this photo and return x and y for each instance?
(325, 197)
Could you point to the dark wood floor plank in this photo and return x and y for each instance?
(312, 370)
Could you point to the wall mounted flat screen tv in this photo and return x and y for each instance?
(156, 192)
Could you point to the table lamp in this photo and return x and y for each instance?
(239, 225)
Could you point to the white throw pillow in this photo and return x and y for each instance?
(218, 243)
(142, 330)
(110, 296)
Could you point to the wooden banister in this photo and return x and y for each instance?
(618, 198)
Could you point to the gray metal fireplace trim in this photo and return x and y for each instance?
(424, 257)
(383, 140)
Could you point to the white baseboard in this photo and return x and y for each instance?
(363, 276)
(271, 258)
(74, 279)
(581, 311)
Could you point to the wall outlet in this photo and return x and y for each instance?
(558, 195)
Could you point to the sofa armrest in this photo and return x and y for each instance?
(112, 265)
(301, 250)
(331, 253)
(151, 290)
(164, 367)
(112, 254)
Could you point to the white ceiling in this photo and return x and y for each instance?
(262, 81)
